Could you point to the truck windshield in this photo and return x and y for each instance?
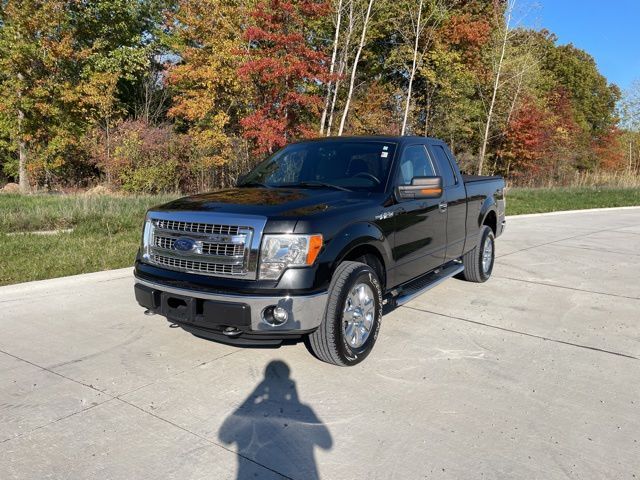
(336, 164)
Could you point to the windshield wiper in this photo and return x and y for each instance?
(315, 185)
(254, 184)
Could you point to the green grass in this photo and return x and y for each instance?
(106, 234)
(541, 200)
(106, 229)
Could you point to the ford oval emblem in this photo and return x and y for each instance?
(184, 244)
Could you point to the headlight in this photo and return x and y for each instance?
(279, 252)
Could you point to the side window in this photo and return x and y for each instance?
(414, 162)
(448, 175)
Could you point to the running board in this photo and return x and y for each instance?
(421, 284)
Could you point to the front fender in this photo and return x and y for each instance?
(318, 277)
(358, 235)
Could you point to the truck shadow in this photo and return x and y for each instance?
(273, 428)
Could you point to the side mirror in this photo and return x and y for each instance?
(421, 187)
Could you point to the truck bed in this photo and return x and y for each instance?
(479, 178)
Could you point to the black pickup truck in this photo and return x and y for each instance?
(317, 241)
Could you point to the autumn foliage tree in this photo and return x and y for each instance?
(36, 55)
(527, 143)
(285, 67)
(208, 97)
(91, 89)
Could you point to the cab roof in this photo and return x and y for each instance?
(374, 138)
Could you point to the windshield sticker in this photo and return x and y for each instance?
(385, 148)
(384, 154)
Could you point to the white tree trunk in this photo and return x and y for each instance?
(343, 65)
(413, 70)
(496, 85)
(22, 157)
(23, 179)
(354, 68)
(336, 40)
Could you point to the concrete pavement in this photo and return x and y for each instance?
(533, 375)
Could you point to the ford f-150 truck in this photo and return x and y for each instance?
(317, 241)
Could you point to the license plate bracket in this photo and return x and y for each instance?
(178, 308)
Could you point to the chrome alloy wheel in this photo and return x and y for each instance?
(487, 254)
(358, 315)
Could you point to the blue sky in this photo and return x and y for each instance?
(609, 31)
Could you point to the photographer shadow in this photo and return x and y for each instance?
(274, 429)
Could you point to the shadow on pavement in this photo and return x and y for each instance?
(273, 428)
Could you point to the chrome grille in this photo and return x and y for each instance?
(223, 249)
(208, 248)
(164, 242)
(196, 227)
(198, 267)
(211, 248)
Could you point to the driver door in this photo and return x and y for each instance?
(420, 226)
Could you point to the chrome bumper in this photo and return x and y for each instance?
(305, 312)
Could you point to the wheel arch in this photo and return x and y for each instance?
(363, 240)
(491, 221)
(489, 215)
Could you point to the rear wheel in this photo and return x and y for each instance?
(478, 263)
(352, 317)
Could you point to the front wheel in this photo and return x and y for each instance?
(478, 263)
(352, 317)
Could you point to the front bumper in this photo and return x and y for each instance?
(213, 312)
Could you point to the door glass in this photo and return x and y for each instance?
(448, 176)
(414, 163)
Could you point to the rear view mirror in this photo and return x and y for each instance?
(421, 187)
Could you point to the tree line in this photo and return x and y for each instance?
(186, 95)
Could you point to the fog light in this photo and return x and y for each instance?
(280, 315)
(275, 316)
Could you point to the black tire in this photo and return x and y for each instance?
(328, 342)
(472, 260)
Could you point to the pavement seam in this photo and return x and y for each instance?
(52, 422)
(175, 374)
(535, 282)
(57, 373)
(202, 437)
(624, 231)
(593, 249)
(532, 335)
(581, 235)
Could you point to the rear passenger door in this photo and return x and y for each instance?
(454, 201)
(420, 227)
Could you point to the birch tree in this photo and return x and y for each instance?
(334, 53)
(496, 82)
(412, 74)
(630, 107)
(354, 68)
(420, 24)
(344, 61)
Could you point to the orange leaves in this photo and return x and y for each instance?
(208, 95)
(464, 30)
(609, 150)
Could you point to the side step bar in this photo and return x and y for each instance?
(420, 285)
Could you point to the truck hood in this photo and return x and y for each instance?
(271, 202)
